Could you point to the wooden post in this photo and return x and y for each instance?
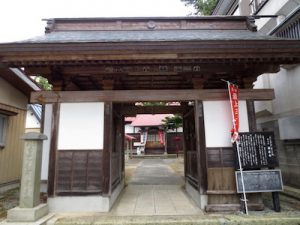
(276, 201)
(251, 115)
(107, 151)
(201, 147)
(53, 149)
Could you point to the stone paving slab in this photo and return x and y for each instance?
(180, 220)
(154, 200)
(155, 172)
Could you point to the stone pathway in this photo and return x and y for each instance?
(155, 172)
(155, 189)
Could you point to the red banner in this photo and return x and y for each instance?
(161, 137)
(234, 102)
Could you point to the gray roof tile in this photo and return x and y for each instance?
(139, 36)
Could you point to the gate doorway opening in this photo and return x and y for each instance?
(155, 160)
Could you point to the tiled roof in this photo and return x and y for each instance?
(149, 120)
(143, 35)
(37, 111)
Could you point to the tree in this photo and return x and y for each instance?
(153, 103)
(173, 122)
(203, 7)
(43, 82)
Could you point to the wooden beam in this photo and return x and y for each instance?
(44, 97)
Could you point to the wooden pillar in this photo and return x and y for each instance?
(184, 145)
(107, 151)
(123, 149)
(201, 147)
(248, 82)
(251, 115)
(53, 149)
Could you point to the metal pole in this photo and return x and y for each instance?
(238, 152)
(242, 178)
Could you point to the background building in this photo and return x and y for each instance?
(151, 134)
(15, 88)
(281, 115)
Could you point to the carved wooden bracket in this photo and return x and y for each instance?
(107, 84)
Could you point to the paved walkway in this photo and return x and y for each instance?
(155, 172)
(155, 189)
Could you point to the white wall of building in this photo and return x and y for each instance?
(129, 129)
(46, 143)
(11, 96)
(81, 126)
(218, 122)
(31, 120)
(286, 106)
(179, 130)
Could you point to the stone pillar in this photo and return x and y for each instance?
(30, 209)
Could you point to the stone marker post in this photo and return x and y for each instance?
(30, 209)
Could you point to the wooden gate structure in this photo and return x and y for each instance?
(99, 68)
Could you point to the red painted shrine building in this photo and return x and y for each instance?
(100, 67)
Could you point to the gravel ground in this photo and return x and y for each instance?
(8, 200)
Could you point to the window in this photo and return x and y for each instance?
(256, 5)
(3, 123)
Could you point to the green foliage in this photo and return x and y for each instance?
(203, 7)
(173, 122)
(43, 82)
(154, 103)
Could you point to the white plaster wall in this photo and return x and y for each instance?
(46, 143)
(11, 96)
(129, 129)
(263, 107)
(287, 92)
(179, 130)
(289, 128)
(31, 120)
(81, 126)
(218, 122)
(286, 105)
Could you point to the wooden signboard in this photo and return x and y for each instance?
(259, 181)
(257, 150)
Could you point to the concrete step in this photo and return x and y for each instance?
(291, 192)
(180, 220)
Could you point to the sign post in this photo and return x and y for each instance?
(259, 152)
(234, 103)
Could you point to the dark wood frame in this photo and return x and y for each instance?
(107, 151)
(53, 149)
(43, 97)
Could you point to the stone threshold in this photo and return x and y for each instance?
(182, 220)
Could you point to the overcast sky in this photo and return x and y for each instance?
(22, 19)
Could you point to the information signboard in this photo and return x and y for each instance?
(259, 181)
(257, 150)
